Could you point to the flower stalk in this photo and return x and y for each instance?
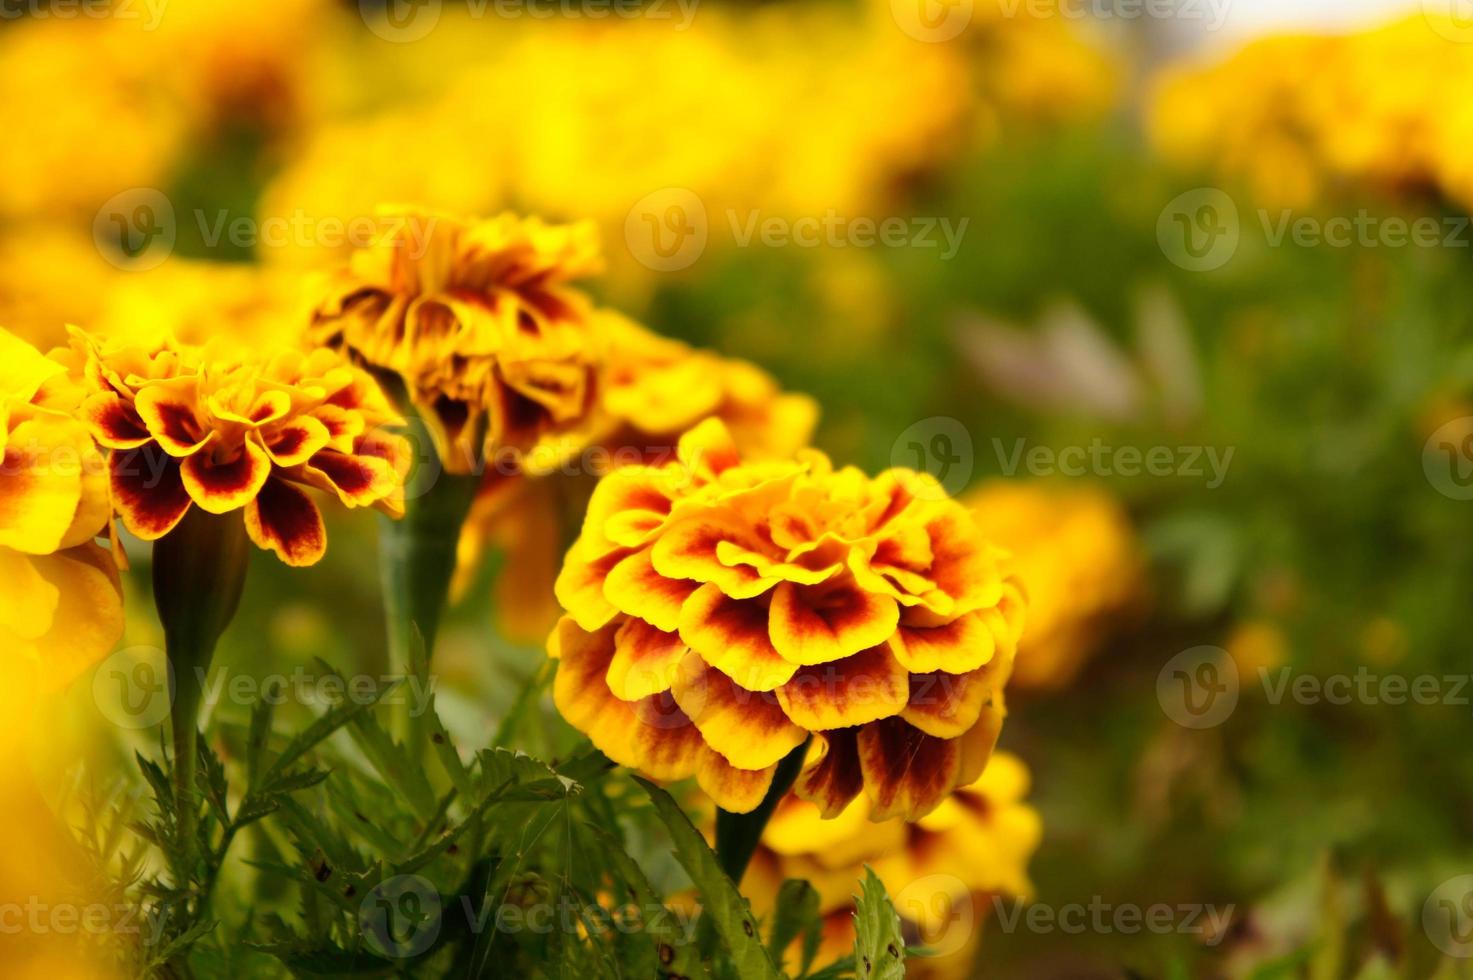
(199, 572)
(737, 834)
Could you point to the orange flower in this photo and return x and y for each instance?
(235, 430)
(719, 612)
(477, 320)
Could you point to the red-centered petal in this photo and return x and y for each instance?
(667, 744)
(283, 519)
(708, 450)
(580, 586)
(748, 728)
(865, 687)
(357, 480)
(147, 490)
(832, 777)
(731, 635)
(295, 441)
(964, 644)
(167, 408)
(220, 487)
(948, 705)
(735, 790)
(634, 587)
(645, 660)
(113, 422)
(628, 506)
(823, 623)
(687, 550)
(343, 426)
(907, 773)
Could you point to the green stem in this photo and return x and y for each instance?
(417, 559)
(737, 834)
(199, 571)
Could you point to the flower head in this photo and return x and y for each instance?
(60, 604)
(231, 429)
(478, 322)
(720, 612)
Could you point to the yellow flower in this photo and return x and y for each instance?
(941, 871)
(236, 429)
(60, 604)
(720, 612)
(479, 322)
(1076, 556)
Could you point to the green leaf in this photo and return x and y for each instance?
(320, 730)
(879, 950)
(727, 910)
(796, 915)
(675, 952)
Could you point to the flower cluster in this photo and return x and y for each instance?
(1075, 553)
(721, 612)
(939, 870)
(60, 604)
(230, 429)
(1274, 114)
(479, 323)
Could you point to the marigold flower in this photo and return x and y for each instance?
(1076, 555)
(720, 612)
(60, 600)
(479, 322)
(229, 430)
(940, 871)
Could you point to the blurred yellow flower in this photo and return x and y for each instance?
(237, 429)
(721, 611)
(1077, 558)
(1257, 645)
(941, 872)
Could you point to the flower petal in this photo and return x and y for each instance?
(907, 773)
(580, 586)
(113, 421)
(357, 480)
(167, 408)
(964, 644)
(687, 550)
(645, 660)
(634, 587)
(748, 728)
(863, 688)
(832, 776)
(948, 705)
(283, 519)
(824, 623)
(220, 487)
(296, 441)
(731, 635)
(147, 490)
(735, 790)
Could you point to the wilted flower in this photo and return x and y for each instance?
(1075, 553)
(720, 612)
(478, 321)
(60, 604)
(231, 429)
(941, 871)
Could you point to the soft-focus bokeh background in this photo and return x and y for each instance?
(1206, 295)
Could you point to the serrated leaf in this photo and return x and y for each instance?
(879, 949)
(675, 952)
(724, 905)
(796, 914)
(320, 730)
